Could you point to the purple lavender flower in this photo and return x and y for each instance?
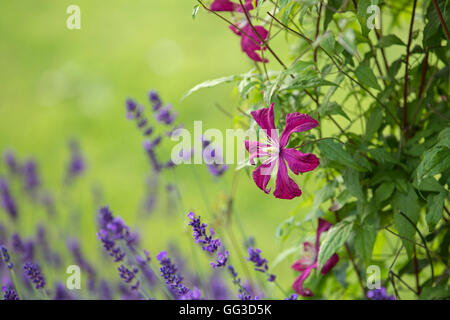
(24, 249)
(105, 290)
(147, 272)
(74, 248)
(212, 157)
(131, 105)
(221, 260)
(165, 115)
(7, 200)
(77, 163)
(110, 246)
(9, 293)
(155, 100)
(243, 292)
(170, 275)
(254, 255)
(149, 146)
(5, 257)
(30, 174)
(292, 297)
(61, 293)
(218, 288)
(379, 294)
(11, 161)
(104, 217)
(33, 272)
(201, 236)
(128, 275)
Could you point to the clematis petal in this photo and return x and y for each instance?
(223, 5)
(330, 264)
(285, 187)
(251, 42)
(265, 119)
(308, 258)
(262, 175)
(227, 5)
(298, 283)
(322, 226)
(296, 122)
(299, 161)
(254, 148)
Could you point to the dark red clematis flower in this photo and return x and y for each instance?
(276, 153)
(309, 261)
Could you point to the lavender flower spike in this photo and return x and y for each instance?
(33, 272)
(379, 294)
(6, 199)
(6, 258)
(170, 275)
(9, 293)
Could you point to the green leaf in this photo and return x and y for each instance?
(195, 11)
(384, 192)
(434, 161)
(331, 7)
(335, 238)
(435, 206)
(210, 84)
(381, 155)
(332, 108)
(363, 15)
(389, 40)
(365, 236)
(351, 179)
(409, 205)
(366, 76)
(334, 151)
(373, 123)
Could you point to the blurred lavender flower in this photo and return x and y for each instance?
(170, 275)
(33, 272)
(165, 115)
(5, 257)
(155, 100)
(41, 240)
(379, 294)
(9, 293)
(292, 297)
(218, 288)
(77, 164)
(30, 175)
(149, 146)
(11, 161)
(243, 292)
(213, 158)
(61, 293)
(24, 249)
(105, 290)
(74, 248)
(136, 113)
(147, 272)
(7, 200)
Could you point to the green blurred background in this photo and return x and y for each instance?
(58, 84)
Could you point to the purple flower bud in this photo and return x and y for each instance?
(131, 105)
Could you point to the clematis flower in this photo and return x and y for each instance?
(250, 42)
(277, 154)
(227, 5)
(309, 261)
